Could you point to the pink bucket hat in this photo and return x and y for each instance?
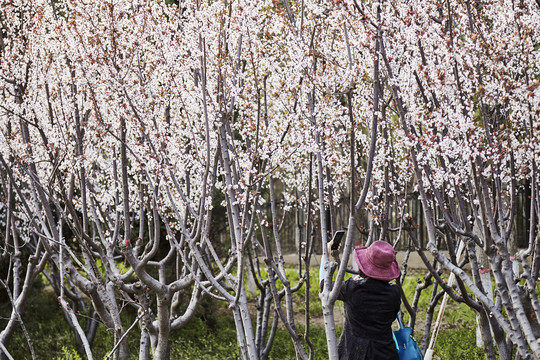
(378, 261)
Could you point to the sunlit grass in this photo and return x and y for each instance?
(212, 334)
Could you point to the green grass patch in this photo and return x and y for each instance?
(198, 341)
(459, 343)
(212, 333)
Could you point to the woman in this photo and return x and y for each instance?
(371, 304)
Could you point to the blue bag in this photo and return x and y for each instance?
(406, 345)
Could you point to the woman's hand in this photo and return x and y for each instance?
(334, 253)
(329, 246)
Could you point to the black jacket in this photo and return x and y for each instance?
(370, 308)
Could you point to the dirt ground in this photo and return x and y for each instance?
(414, 262)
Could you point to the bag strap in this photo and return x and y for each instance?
(399, 321)
(395, 340)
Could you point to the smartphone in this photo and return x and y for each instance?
(338, 236)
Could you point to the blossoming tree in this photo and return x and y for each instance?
(123, 123)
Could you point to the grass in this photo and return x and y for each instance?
(457, 337)
(209, 336)
(196, 341)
